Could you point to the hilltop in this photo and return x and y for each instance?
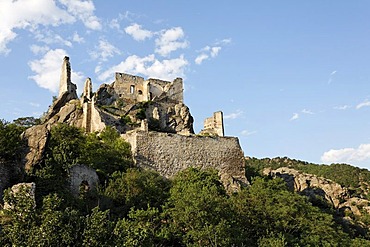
(123, 167)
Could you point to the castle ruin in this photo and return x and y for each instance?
(214, 125)
(152, 117)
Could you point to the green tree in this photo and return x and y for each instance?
(27, 122)
(10, 141)
(98, 229)
(267, 209)
(19, 220)
(198, 211)
(141, 228)
(106, 152)
(136, 188)
(58, 226)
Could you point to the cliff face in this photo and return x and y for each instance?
(349, 207)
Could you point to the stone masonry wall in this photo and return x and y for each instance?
(170, 153)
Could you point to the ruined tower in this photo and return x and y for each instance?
(66, 84)
(214, 125)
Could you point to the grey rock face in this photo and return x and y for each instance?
(310, 185)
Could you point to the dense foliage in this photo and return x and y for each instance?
(134, 207)
(10, 140)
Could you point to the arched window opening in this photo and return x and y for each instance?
(84, 188)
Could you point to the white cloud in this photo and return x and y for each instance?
(347, 155)
(138, 33)
(170, 40)
(294, 117)
(148, 66)
(25, 14)
(210, 51)
(104, 51)
(234, 115)
(49, 37)
(37, 50)
(363, 104)
(29, 15)
(84, 11)
(48, 70)
(34, 104)
(305, 111)
(215, 50)
(200, 58)
(77, 38)
(342, 107)
(248, 133)
(331, 77)
(114, 24)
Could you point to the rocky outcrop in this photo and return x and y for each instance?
(21, 190)
(36, 138)
(180, 119)
(105, 95)
(356, 205)
(310, 185)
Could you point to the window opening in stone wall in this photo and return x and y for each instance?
(132, 89)
(140, 92)
(84, 188)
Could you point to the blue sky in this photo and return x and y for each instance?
(292, 77)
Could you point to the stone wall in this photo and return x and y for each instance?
(170, 153)
(81, 175)
(136, 89)
(131, 87)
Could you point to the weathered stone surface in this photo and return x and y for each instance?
(355, 204)
(170, 153)
(36, 138)
(214, 125)
(310, 185)
(173, 118)
(81, 175)
(87, 92)
(106, 95)
(66, 85)
(28, 189)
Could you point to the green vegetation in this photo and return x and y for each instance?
(141, 109)
(134, 207)
(10, 140)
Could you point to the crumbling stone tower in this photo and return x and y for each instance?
(66, 84)
(214, 125)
